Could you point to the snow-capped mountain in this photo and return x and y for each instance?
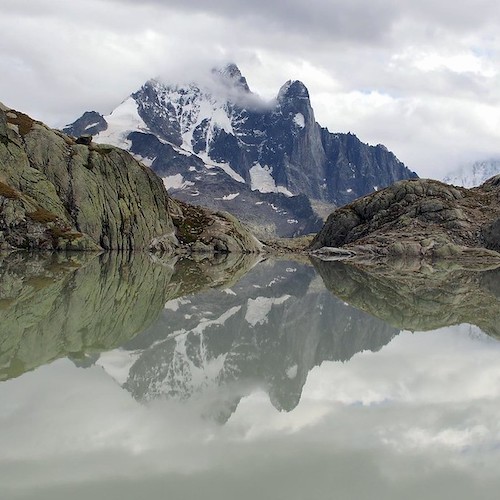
(474, 175)
(220, 145)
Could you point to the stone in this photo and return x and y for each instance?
(421, 218)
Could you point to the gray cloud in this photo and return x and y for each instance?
(420, 77)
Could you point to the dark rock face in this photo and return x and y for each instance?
(419, 218)
(58, 194)
(90, 123)
(271, 146)
(266, 213)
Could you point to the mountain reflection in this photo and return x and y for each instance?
(213, 330)
(421, 297)
(55, 305)
(268, 331)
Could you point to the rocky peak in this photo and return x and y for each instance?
(293, 89)
(90, 123)
(230, 75)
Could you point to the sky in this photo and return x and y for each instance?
(422, 78)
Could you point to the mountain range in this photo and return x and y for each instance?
(220, 145)
(474, 175)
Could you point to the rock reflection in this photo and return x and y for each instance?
(54, 305)
(419, 297)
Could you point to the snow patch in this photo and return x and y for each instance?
(176, 182)
(174, 304)
(144, 160)
(117, 363)
(121, 122)
(205, 323)
(259, 308)
(231, 196)
(209, 163)
(262, 180)
(291, 372)
(299, 120)
(91, 125)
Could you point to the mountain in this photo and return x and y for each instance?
(474, 175)
(220, 145)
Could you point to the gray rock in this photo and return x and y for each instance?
(422, 218)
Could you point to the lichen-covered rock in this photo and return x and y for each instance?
(418, 218)
(58, 194)
(202, 230)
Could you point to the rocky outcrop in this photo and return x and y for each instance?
(419, 297)
(418, 218)
(58, 194)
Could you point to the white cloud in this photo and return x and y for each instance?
(419, 77)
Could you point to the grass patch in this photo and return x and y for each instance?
(42, 215)
(8, 192)
(59, 232)
(24, 122)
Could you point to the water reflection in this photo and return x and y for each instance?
(78, 305)
(383, 414)
(419, 297)
(267, 331)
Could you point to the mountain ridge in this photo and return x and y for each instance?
(253, 147)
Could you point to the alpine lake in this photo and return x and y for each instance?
(140, 377)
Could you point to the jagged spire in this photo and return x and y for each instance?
(231, 76)
(293, 89)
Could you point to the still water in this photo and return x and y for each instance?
(145, 378)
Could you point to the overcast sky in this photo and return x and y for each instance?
(420, 77)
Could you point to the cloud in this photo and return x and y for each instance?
(420, 77)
